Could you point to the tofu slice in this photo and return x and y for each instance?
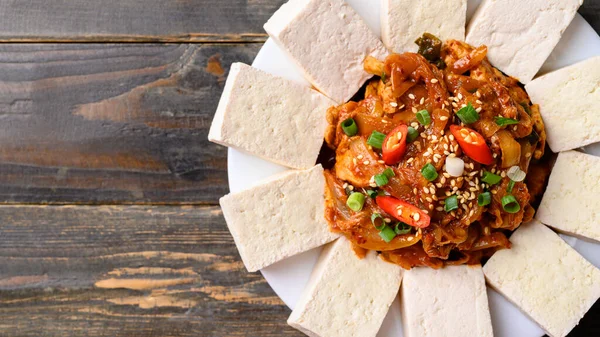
(520, 35)
(270, 117)
(570, 203)
(569, 100)
(446, 302)
(546, 278)
(346, 296)
(404, 21)
(281, 217)
(329, 41)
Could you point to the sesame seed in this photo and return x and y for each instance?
(425, 189)
(430, 207)
(515, 128)
(402, 106)
(453, 182)
(351, 188)
(445, 146)
(411, 96)
(465, 207)
(366, 162)
(435, 159)
(460, 96)
(443, 179)
(434, 137)
(359, 157)
(415, 190)
(422, 100)
(451, 137)
(446, 175)
(448, 194)
(478, 94)
(414, 125)
(503, 174)
(423, 135)
(354, 161)
(527, 155)
(473, 173)
(443, 106)
(416, 216)
(454, 105)
(394, 104)
(414, 109)
(410, 160)
(495, 155)
(429, 199)
(345, 185)
(443, 118)
(494, 191)
(478, 102)
(387, 220)
(439, 208)
(439, 185)
(434, 80)
(381, 162)
(410, 238)
(373, 185)
(446, 153)
(426, 154)
(478, 109)
(471, 213)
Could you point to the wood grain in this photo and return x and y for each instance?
(135, 20)
(126, 123)
(150, 20)
(128, 271)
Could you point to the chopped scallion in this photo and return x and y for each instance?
(511, 185)
(484, 199)
(402, 228)
(384, 178)
(429, 172)
(423, 117)
(490, 178)
(356, 201)
(372, 194)
(376, 139)
(412, 134)
(467, 114)
(515, 173)
(502, 121)
(510, 204)
(349, 127)
(374, 218)
(451, 203)
(387, 234)
(389, 172)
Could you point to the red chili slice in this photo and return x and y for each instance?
(473, 144)
(394, 145)
(403, 211)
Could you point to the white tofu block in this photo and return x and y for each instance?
(569, 99)
(270, 117)
(328, 41)
(278, 218)
(571, 203)
(546, 278)
(346, 296)
(404, 21)
(446, 302)
(520, 34)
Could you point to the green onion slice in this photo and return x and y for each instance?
(429, 172)
(510, 204)
(484, 199)
(384, 178)
(383, 76)
(372, 194)
(490, 178)
(349, 127)
(389, 172)
(451, 203)
(467, 114)
(376, 139)
(511, 185)
(402, 228)
(374, 218)
(387, 234)
(356, 201)
(515, 173)
(423, 117)
(502, 121)
(412, 134)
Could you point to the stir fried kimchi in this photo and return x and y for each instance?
(430, 167)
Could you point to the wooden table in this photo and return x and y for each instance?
(109, 224)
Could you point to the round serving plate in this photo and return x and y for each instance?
(288, 277)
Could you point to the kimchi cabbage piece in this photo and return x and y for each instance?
(454, 76)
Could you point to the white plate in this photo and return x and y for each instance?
(288, 277)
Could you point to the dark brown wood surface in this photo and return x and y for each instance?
(109, 224)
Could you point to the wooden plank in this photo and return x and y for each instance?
(150, 20)
(126, 123)
(128, 270)
(135, 20)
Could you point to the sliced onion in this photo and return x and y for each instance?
(455, 166)
(516, 174)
